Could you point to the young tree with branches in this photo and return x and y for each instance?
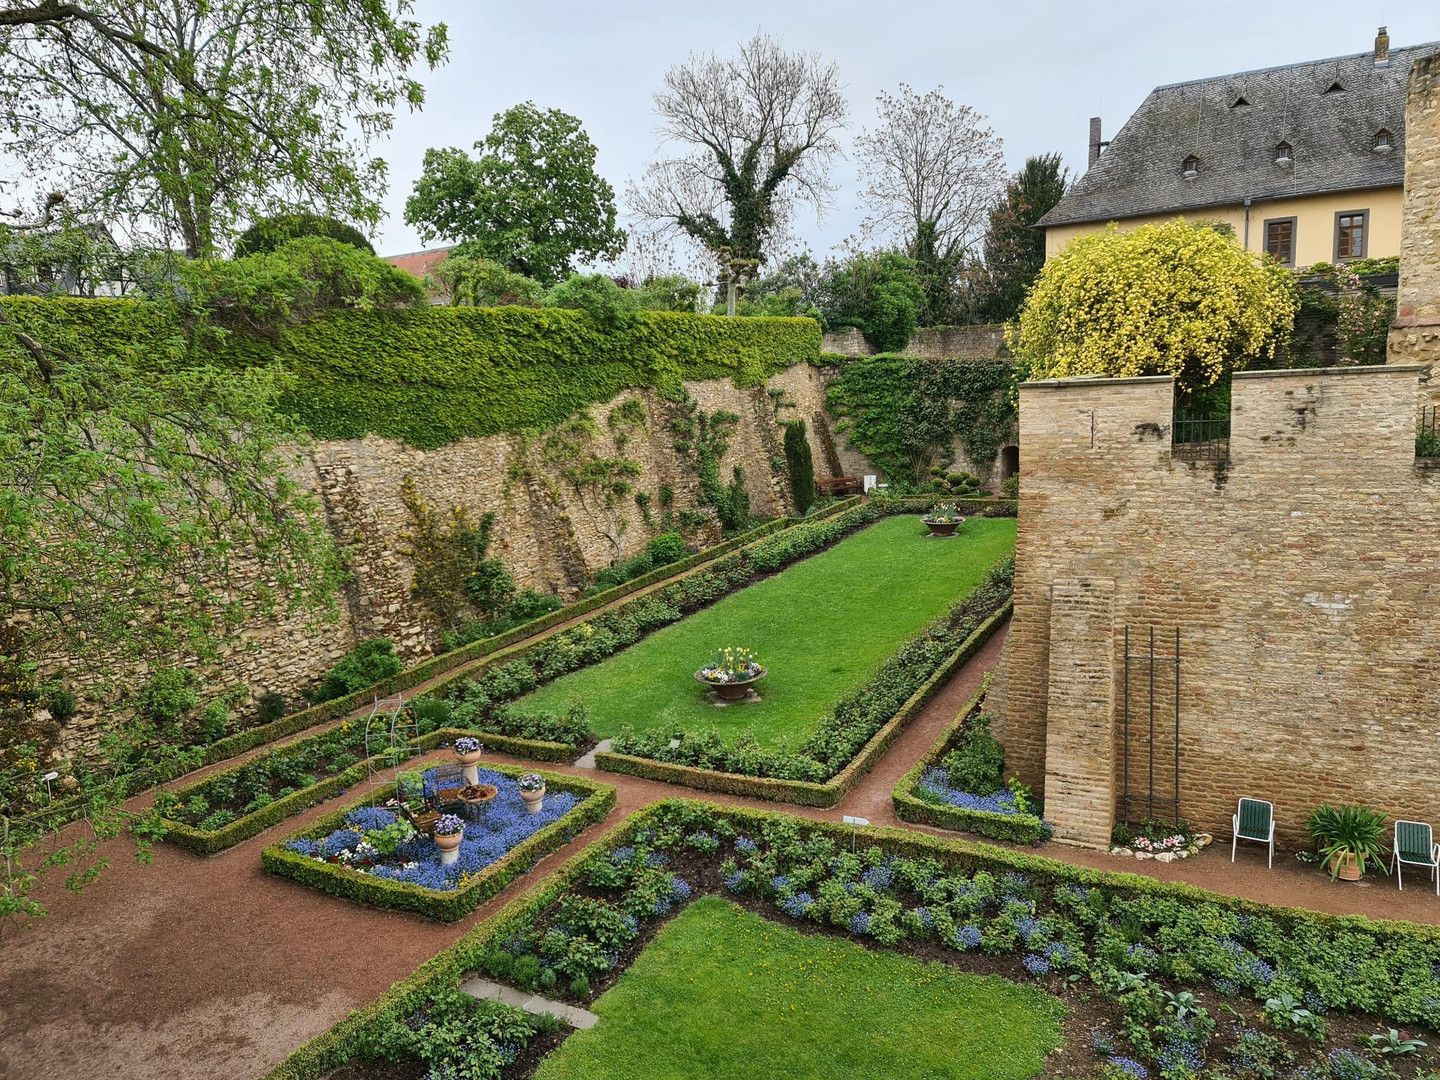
(754, 136)
(189, 118)
(933, 170)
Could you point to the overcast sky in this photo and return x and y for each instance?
(1038, 69)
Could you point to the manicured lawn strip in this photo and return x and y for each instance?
(349, 1038)
(1019, 828)
(750, 999)
(801, 792)
(210, 841)
(821, 628)
(446, 906)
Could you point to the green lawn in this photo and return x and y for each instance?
(724, 993)
(821, 628)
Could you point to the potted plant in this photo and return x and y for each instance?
(449, 831)
(532, 791)
(943, 519)
(468, 750)
(731, 673)
(1348, 838)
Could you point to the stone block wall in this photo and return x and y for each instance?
(933, 343)
(1303, 574)
(1415, 335)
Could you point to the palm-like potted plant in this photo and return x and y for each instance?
(943, 519)
(1348, 839)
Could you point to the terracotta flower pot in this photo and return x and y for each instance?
(943, 528)
(449, 843)
(1349, 866)
(732, 691)
(533, 800)
(470, 772)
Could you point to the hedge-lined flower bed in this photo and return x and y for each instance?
(492, 854)
(1179, 982)
(923, 795)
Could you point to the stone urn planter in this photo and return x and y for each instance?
(532, 792)
(733, 690)
(940, 527)
(449, 831)
(469, 752)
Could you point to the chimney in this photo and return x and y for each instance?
(1095, 142)
(1382, 48)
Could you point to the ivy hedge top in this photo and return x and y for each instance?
(429, 377)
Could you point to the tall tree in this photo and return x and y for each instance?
(754, 136)
(188, 118)
(531, 200)
(1014, 248)
(933, 170)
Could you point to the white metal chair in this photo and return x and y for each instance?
(1254, 819)
(1415, 844)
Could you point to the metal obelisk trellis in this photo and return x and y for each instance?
(1148, 797)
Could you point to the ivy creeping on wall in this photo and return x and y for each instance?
(902, 413)
(429, 377)
(707, 437)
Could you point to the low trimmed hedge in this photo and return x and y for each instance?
(349, 1038)
(210, 841)
(1017, 828)
(802, 792)
(445, 906)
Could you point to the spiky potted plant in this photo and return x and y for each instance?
(1348, 839)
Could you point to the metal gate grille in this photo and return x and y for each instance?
(1147, 747)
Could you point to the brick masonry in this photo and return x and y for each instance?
(1303, 574)
(1415, 335)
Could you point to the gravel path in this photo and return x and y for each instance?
(209, 969)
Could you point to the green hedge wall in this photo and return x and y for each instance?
(1018, 828)
(341, 881)
(350, 1037)
(433, 376)
(801, 792)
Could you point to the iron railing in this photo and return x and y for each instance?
(1200, 440)
(1427, 432)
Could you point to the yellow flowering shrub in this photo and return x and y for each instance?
(1176, 299)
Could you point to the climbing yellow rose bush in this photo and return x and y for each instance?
(1179, 298)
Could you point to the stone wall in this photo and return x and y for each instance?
(1415, 335)
(550, 534)
(1303, 574)
(933, 343)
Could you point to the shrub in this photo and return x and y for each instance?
(977, 764)
(802, 468)
(270, 707)
(267, 234)
(362, 666)
(167, 697)
(60, 703)
(666, 548)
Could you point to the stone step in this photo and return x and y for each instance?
(486, 990)
(588, 760)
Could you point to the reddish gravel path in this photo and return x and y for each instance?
(208, 968)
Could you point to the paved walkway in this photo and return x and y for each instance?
(210, 968)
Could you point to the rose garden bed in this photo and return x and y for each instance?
(1156, 979)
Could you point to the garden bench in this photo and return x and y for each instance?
(1254, 820)
(1415, 844)
(839, 485)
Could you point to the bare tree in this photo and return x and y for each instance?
(934, 170)
(755, 136)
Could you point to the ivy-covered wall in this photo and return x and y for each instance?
(430, 377)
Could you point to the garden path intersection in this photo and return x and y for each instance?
(209, 967)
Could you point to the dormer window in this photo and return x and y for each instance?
(1191, 167)
(1333, 88)
(1384, 141)
(1283, 155)
(1240, 103)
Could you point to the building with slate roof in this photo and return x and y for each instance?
(1305, 161)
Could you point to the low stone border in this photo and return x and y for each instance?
(803, 792)
(446, 906)
(1021, 828)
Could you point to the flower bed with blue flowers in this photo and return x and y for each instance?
(372, 855)
(1160, 980)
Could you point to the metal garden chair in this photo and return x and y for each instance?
(1415, 844)
(1254, 820)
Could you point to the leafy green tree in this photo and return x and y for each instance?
(186, 118)
(755, 136)
(269, 233)
(472, 282)
(1014, 248)
(1178, 298)
(531, 200)
(802, 467)
(879, 293)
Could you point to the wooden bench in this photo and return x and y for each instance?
(840, 485)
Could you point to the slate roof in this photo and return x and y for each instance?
(1332, 134)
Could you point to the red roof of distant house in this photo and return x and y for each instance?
(419, 263)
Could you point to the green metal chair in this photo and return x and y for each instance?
(1254, 819)
(1415, 844)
